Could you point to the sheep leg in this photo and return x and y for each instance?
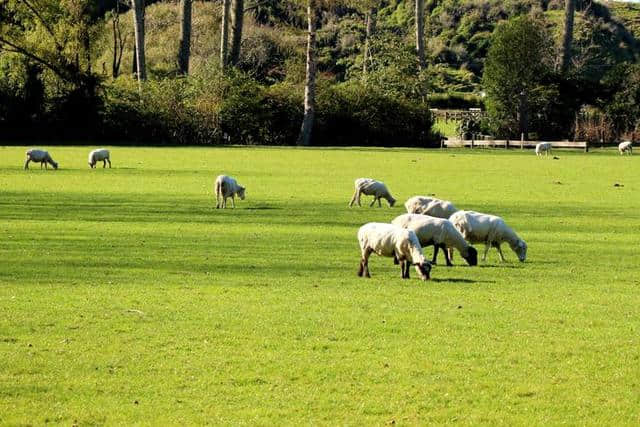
(406, 266)
(379, 202)
(26, 164)
(395, 258)
(446, 255)
(450, 253)
(217, 195)
(233, 201)
(435, 254)
(487, 245)
(497, 245)
(365, 261)
(353, 199)
(373, 201)
(108, 160)
(104, 163)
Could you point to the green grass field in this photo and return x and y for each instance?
(127, 298)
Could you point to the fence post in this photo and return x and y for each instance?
(506, 144)
(441, 143)
(586, 147)
(472, 141)
(522, 141)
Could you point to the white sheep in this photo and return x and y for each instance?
(371, 187)
(490, 230)
(440, 233)
(40, 156)
(625, 147)
(226, 187)
(392, 241)
(430, 206)
(543, 147)
(99, 155)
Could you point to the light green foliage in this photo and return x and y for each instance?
(126, 298)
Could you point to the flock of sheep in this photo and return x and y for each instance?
(545, 148)
(44, 158)
(429, 222)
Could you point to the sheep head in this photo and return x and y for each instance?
(472, 256)
(424, 270)
(520, 248)
(241, 193)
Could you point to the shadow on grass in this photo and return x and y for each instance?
(458, 280)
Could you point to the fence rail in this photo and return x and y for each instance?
(506, 143)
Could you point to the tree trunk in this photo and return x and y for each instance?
(304, 138)
(185, 38)
(523, 112)
(420, 33)
(118, 43)
(224, 33)
(236, 38)
(567, 38)
(138, 23)
(134, 63)
(371, 28)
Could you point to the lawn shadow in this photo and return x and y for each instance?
(458, 280)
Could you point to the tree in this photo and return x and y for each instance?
(304, 138)
(56, 34)
(236, 36)
(224, 33)
(185, 38)
(517, 71)
(567, 37)
(420, 34)
(138, 25)
(119, 41)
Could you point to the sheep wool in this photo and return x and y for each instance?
(625, 147)
(543, 147)
(226, 187)
(99, 155)
(392, 241)
(40, 156)
(371, 187)
(490, 230)
(440, 233)
(430, 206)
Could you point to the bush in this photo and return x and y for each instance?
(352, 114)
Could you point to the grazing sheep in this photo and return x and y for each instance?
(392, 241)
(40, 156)
(625, 147)
(440, 233)
(543, 147)
(225, 187)
(100, 154)
(371, 187)
(490, 230)
(430, 206)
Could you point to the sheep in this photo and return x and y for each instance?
(392, 241)
(430, 206)
(625, 147)
(100, 154)
(225, 187)
(543, 147)
(490, 230)
(40, 156)
(440, 233)
(371, 187)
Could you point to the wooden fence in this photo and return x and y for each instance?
(506, 143)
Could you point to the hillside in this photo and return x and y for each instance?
(459, 33)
